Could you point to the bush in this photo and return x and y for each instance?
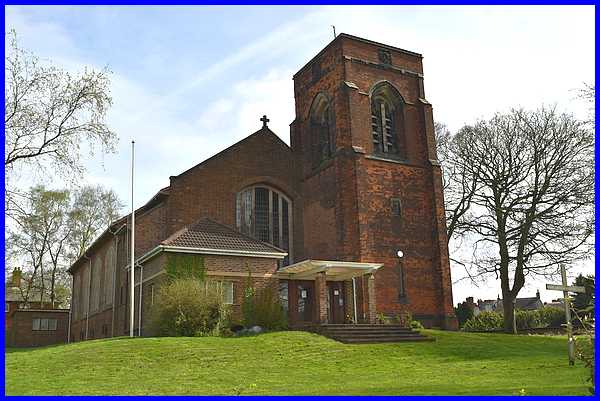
(484, 321)
(190, 307)
(552, 317)
(416, 325)
(527, 319)
(463, 313)
(262, 308)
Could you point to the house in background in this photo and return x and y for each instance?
(31, 322)
(322, 219)
(495, 305)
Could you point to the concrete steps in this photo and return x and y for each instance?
(370, 333)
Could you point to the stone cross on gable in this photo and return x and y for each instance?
(565, 288)
(264, 120)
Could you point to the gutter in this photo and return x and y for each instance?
(206, 251)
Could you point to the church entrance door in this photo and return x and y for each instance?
(335, 291)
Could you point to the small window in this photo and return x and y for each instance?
(227, 292)
(44, 324)
(283, 295)
(401, 287)
(396, 207)
(6, 307)
(151, 294)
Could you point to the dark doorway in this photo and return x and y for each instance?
(335, 290)
(305, 300)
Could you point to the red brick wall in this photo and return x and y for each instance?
(21, 333)
(210, 189)
(364, 228)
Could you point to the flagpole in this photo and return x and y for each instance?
(132, 261)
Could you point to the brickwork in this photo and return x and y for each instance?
(341, 205)
(21, 333)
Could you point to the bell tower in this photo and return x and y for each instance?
(364, 147)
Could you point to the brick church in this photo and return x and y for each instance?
(347, 221)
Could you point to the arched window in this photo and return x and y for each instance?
(266, 214)
(387, 120)
(322, 129)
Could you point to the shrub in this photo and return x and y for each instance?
(463, 313)
(527, 319)
(189, 307)
(484, 321)
(416, 325)
(404, 319)
(262, 308)
(552, 317)
(184, 266)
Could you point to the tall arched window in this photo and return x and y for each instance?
(387, 120)
(322, 129)
(266, 214)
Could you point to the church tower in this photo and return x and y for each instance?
(364, 148)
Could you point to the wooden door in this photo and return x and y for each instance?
(336, 302)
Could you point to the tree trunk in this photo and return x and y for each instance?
(508, 306)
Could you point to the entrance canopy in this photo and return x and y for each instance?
(334, 270)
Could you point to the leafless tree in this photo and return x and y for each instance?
(52, 229)
(94, 208)
(459, 185)
(49, 115)
(531, 207)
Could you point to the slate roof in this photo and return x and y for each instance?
(530, 303)
(13, 294)
(209, 234)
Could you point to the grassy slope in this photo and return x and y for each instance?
(298, 363)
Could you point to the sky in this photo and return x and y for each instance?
(189, 81)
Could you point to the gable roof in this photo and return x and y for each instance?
(208, 237)
(262, 131)
(208, 234)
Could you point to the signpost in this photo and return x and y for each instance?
(566, 289)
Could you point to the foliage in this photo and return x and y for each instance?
(50, 113)
(261, 307)
(93, 209)
(527, 319)
(189, 307)
(583, 303)
(289, 363)
(182, 265)
(463, 313)
(585, 352)
(404, 319)
(531, 207)
(416, 325)
(552, 317)
(485, 321)
(51, 230)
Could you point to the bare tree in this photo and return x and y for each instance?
(40, 223)
(54, 228)
(50, 114)
(533, 205)
(459, 185)
(94, 208)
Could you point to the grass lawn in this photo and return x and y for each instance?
(298, 363)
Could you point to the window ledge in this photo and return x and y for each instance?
(404, 162)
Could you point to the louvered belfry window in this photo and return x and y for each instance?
(387, 121)
(382, 123)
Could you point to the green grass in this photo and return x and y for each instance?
(298, 363)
